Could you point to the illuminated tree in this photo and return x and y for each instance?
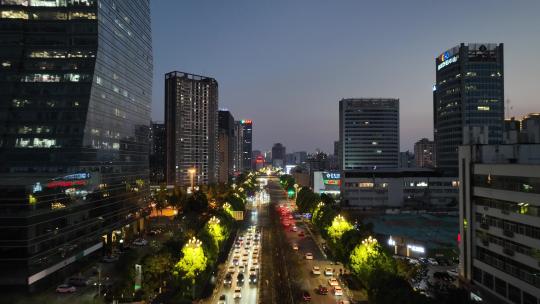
(369, 258)
(216, 230)
(228, 208)
(339, 226)
(193, 261)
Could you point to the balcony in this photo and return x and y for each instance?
(508, 251)
(508, 233)
(485, 243)
(484, 226)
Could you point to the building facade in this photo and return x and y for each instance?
(396, 188)
(226, 146)
(424, 153)
(157, 153)
(191, 124)
(468, 100)
(74, 132)
(369, 133)
(499, 208)
(279, 155)
(247, 143)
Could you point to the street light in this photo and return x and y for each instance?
(213, 220)
(191, 172)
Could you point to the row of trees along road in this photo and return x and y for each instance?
(384, 278)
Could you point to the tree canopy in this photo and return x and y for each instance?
(369, 258)
(192, 263)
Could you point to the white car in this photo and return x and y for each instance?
(222, 300)
(316, 270)
(338, 291)
(140, 242)
(333, 282)
(309, 256)
(328, 271)
(295, 246)
(64, 288)
(237, 293)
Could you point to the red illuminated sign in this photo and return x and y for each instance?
(247, 121)
(65, 184)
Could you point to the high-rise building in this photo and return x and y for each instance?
(226, 146)
(499, 209)
(74, 132)
(191, 123)
(337, 154)
(238, 163)
(278, 155)
(247, 143)
(468, 100)
(424, 153)
(157, 153)
(369, 133)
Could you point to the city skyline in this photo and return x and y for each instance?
(317, 63)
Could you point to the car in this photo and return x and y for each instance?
(253, 278)
(228, 279)
(241, 268)
(240, 279)
(110, 258)
(306, 297)
(235, 262)
(309, 256)
(295, 246)
(255, 255)
(65, 288)
(338, 291)
(255, 264)
(77, 281)
(316, 270)
(301, 234)
(222, 299)
(333, 282)
(433, 262)
(244, 260)
(237, 293)
(140, 242)
(232, 269)
(328, 271)
(322, 290)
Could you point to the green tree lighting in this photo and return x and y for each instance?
(368, 258)
(339, 226)
(193, 261)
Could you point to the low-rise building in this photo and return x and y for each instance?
(395, 188)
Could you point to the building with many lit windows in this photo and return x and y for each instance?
(499, 208)
(368, 133)
(225, 146)
(75, 95)
(191, 126)
(468, 100)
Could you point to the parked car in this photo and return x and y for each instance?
(306, 297)
(222, 299)
(65, 288)
(140, 242)
(338, 291)
(333, 282)
(322, 290)
(228, 279)
(309, 256)
(237, 293)
(110, 258)
(77, 281)
(316, 270)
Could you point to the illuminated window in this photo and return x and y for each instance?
(455, 183)
(41, 78)
(48, 3)
(47, 54)
(44, 15)
(6, 64)
(483, 108)
(378, 151)
(81, 2)
(81, 54)
(98, 80)
(82, 15)
(365, 185)
(15, 2)
(12, 14)
(374, 143)
(19, 103)
(35, 143)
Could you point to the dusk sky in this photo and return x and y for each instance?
(285, 64)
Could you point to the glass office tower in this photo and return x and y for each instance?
(468, 100)
(75, 94)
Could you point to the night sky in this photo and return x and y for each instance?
(285, 64)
